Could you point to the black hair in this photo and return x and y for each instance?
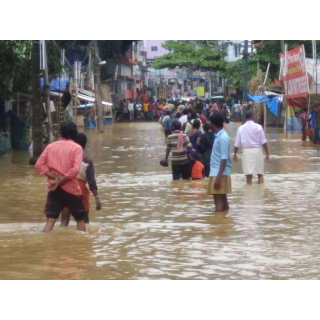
(206, 127)
(178, 115)
(168, 113)
(199, 112)
(177, 125)
(199, 157)
(193, 115)
(196, 124)
(81, 139)
(185, 111)
(217, 120)
(68, 130)
(249, 114)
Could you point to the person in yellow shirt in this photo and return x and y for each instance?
(146, 110)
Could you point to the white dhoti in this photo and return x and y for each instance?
(252, 161)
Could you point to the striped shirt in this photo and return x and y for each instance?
(62, 158)
(177, 157)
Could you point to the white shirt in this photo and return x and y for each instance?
(250, 135)
(130, 107)
(183, 119)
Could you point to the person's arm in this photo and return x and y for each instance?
(203, 145)
(266, 150)
(237, 145)
(225, 153)
(218, 179)
(72, 173)
(93, 184)
(41, 164)
(264, 144)
(198, 142)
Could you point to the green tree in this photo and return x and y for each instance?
(183, 54)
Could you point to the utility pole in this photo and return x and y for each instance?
(47, 93)
(245, 80)
(36, 104)
(98, 88)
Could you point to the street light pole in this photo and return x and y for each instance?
(98, 88)
(245, 80)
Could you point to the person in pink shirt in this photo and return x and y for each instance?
(250, 136)
(61, 162)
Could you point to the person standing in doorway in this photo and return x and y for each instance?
(177, 143)
(251, 137)
(220, 165)
(61, 162)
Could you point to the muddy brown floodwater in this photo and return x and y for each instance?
(153, 228)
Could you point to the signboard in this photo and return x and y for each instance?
(200, 91)
(294, 72)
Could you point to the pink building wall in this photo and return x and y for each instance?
(147, 44)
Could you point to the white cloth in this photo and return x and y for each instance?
(130, 107)
(189, 126)
(82, 175)
(250, 135)
(183, 119)
(252, 161)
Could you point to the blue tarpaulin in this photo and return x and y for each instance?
(273, 104)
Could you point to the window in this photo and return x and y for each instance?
(235, 50)
(150, 61)
(129, 86)
(154, 48)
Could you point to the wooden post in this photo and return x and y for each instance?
(37, 129)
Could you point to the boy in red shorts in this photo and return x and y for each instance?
(86, 174)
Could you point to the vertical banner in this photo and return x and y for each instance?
(294, 73)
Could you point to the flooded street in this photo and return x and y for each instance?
(150, 227)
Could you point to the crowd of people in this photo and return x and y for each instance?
(152, 110)
(200, 147)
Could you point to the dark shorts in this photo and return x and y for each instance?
(58, 199)
(167, 132)
(180, 171)
(303, 130)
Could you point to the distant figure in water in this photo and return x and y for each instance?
(251, 137)
(220, 165)
(207, 141)
(61, 162)
(85, 175)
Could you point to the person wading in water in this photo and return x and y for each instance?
(61, 163)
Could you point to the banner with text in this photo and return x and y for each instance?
(293, 64)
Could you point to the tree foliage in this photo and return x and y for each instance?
(15, 66)
(189, 55)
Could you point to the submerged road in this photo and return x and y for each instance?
(153, 228)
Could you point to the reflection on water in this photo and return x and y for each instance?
(151, 227)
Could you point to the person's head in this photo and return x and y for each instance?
(305, 109)
(199, 157)
(168, 113)
(185, 112)
(178, 115)
(177, 125)
(206, 127)
(250, 115)
(196, 124)
(200, 113)
(68, 130)
(193, 115)
(124, 100)
(81, 139)
(216, 122)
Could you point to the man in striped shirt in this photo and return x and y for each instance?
(61, 163)
(179, 160)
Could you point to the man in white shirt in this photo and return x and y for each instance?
(251, 137)
(131, 110)
(184, 117)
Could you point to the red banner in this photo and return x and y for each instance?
(293, 67)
